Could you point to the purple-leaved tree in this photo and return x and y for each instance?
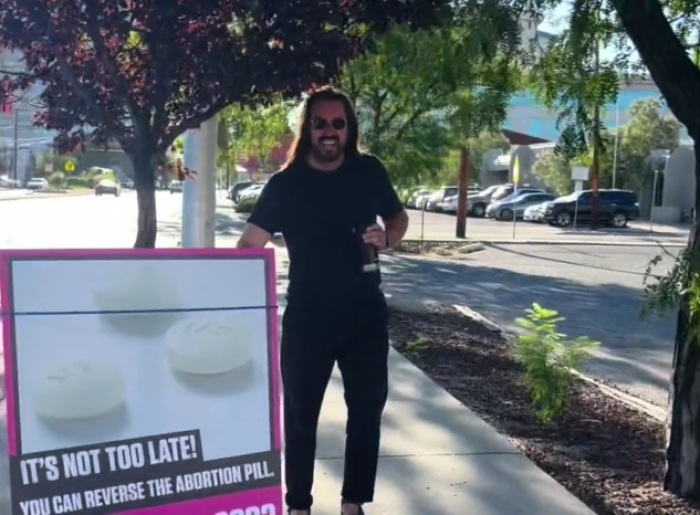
(141, 72)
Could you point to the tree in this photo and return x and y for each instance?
(255, 131)
(479, 146)
(142, 73)
(578, 89)
(555, 172)
(414, 87)
(647, 130)
(661, 32)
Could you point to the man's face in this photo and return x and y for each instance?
(329, 130)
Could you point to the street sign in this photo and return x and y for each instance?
(516, 171)
(69, 166)
(578, 185)
(579, 173)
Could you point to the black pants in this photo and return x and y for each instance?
(313, 340)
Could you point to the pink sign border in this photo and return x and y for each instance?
(8, 256)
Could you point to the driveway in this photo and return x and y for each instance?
(598, 289)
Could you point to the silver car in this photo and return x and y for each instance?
(516, 205)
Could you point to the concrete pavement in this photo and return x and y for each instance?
(598, 289)
(438, 457)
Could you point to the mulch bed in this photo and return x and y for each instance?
(607, 454)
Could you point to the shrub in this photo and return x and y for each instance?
(57, 180)
(549, 360)
(246, 206)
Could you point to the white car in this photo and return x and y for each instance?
(535, 213)
(250, 193)
(37, 183)
(449, 204)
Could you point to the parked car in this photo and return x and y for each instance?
(535, 213)
(37, 183)
(477, 203)
(516, 204)
(449, 204)
(434, 202)
(175, 187)
(108, 187)
(408, 196)
(615, 207)
(422, 199)
(237, 188)
(251, 192)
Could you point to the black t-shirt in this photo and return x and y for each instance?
(319, 213)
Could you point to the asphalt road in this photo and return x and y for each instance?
(599, 289)
(438, 226)
(83, 221)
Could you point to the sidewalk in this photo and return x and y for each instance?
(437, 458)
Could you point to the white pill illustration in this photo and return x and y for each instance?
(207, 347)
(81, 389)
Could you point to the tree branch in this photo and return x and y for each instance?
(169, 136)
(665, 57)
(120, 85)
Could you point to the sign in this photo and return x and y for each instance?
(516, 171)
(578, 185)
(579, 173)
(142, 382)
(69, 166)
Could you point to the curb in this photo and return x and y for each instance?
(634, 402)
(47, 195)
(421, 307)
(597, 243)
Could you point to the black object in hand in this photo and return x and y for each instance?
(370, 256)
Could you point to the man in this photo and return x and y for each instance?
(325, 202)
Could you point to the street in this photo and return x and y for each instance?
(439, 226)
(82, 221)
(597, 288)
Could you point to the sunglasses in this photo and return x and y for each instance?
(321, 123)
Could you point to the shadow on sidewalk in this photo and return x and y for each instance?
(633, 352)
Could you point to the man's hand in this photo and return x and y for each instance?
(375, 235)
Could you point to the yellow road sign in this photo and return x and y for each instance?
(69, 166)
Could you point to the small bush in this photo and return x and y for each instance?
(79, 182)
(246, 206)
(549, 360)
(57, 180)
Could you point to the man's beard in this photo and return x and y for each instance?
(325, 154)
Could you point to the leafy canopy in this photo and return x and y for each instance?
(144, 71)
(420, 94)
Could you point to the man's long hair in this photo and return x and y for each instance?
(301, 146)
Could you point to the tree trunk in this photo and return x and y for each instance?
(464, 166)
(145, 182)
(678, 78)
(683, 445)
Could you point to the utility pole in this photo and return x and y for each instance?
(15, 144)
(463, 188)
(596, 143)
(199, 188)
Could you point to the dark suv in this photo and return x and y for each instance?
(615, 207)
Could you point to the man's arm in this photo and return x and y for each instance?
(267, 216)
(391, 209)
(253, 237)
(395, 228)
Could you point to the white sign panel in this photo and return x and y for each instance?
(141, 382)
(579, 173)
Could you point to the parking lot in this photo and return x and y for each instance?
(438, 226)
